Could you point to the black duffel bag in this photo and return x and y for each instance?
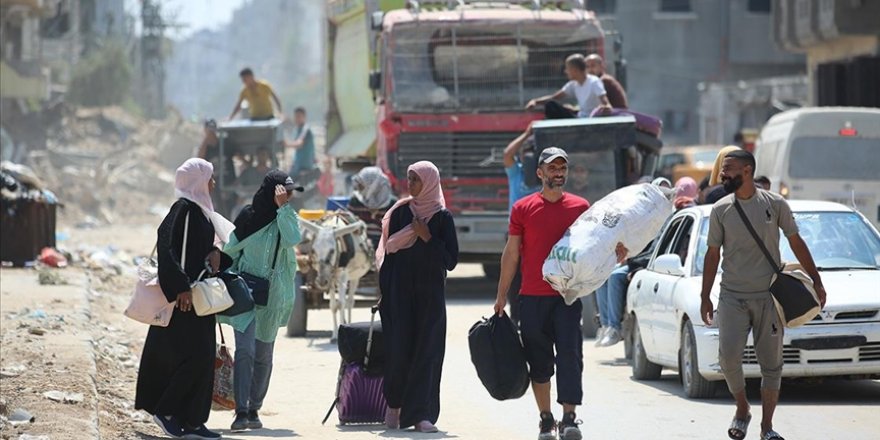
(352, 344)
(497, 353)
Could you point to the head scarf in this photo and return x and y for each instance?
(191, 182)
(686, 187)
(374, 188)
(423, 206)
(715, 178)
(262, 209)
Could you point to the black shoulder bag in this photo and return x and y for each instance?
(791, 288)
(260, 286)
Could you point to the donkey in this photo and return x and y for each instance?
(341, 254)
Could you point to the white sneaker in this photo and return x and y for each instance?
(600, 334)
(612, 337)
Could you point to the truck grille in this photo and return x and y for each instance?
(471, 165)
(457, 154)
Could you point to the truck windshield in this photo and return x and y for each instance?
(839, 158)
(475, 67)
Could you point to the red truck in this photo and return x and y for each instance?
(451, 87)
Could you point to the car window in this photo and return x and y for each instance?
(683, 239)
(668, 237)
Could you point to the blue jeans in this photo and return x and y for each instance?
(611, 298)
(253, 368)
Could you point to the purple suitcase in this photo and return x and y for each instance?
(646, 123)
(360, 398)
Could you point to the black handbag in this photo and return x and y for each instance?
(260, 286)
(240, 293)
(791, 288)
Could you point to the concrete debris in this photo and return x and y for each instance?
(21, 417)
(33, 437)
(51, 278)
(63, 397)
(38, 331)
(6, 373)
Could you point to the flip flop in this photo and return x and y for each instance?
(739, 428)
(771, 435)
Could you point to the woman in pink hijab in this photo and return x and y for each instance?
(417, 248)
(686, 192)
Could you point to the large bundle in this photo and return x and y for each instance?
(583, 259)
(497, 353)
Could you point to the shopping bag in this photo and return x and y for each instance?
(224, 394)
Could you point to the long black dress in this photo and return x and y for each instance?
(176, 375)
(413, 310)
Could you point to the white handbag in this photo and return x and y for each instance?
(209, 295)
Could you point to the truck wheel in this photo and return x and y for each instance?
(590, 325)
(642, 368)
(299, 316)
(492, 271)
(695, 386)
(628, 336)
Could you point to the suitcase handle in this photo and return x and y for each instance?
(373, 311)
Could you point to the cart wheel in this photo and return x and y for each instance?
(297, 323)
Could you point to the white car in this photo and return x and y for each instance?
(663, 302)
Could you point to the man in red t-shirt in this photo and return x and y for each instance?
(537, 222)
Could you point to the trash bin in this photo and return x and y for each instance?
(26, 227)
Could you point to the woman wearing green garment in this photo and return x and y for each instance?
(267, 227)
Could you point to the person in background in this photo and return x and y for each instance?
(253, 175)
(262, 245)
(259, 96)
(176, 375)
(551, 330)
(745, 303)
(371, 199)
(304, 169)
(417, 249)
(516, 190)
(716, 191)
(613, 88)
(686, 193)
(763, 182)
(586, 89)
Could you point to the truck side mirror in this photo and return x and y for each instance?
(376, 20)
(375, 80)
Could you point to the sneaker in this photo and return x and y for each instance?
(201, 433)
(426, 426)
(600, 334)
(548, 427)
(392, 418)
(240, 424)
(569, 427)
(253, 420)
(169, 426)
(612, 337)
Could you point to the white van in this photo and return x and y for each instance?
(824, 153)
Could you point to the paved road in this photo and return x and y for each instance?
(617, 407)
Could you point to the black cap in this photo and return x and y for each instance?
(290, 185)
(551, 154)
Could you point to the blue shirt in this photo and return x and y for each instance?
(516, 183)
(304, 158)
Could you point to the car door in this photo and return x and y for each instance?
(665, 320)
(647, 287)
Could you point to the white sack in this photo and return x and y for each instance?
(585, 256)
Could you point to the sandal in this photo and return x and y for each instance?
(739, 428)
(771, 435)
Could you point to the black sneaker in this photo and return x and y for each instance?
(548, 427)
(201, 433)
(569, 427)
(240, 424)
(169, 426)
(253, 420)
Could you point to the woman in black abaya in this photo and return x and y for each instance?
(176, 375)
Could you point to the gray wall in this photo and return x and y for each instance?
(669, 54)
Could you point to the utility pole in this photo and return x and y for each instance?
(152, 59)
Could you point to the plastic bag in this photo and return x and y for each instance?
(497, 354)
(224, 393)
(585, 256)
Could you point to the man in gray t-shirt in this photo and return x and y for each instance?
(745, 304)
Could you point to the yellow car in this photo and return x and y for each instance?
(694, 161)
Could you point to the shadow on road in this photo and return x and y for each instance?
(229, 435)
(380, 431)
(829, 392)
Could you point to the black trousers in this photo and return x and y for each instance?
(555, 110)
(547, 323)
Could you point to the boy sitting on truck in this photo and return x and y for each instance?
(585, 88)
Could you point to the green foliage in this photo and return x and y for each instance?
(101, 78)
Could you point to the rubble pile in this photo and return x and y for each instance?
(107, 166)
